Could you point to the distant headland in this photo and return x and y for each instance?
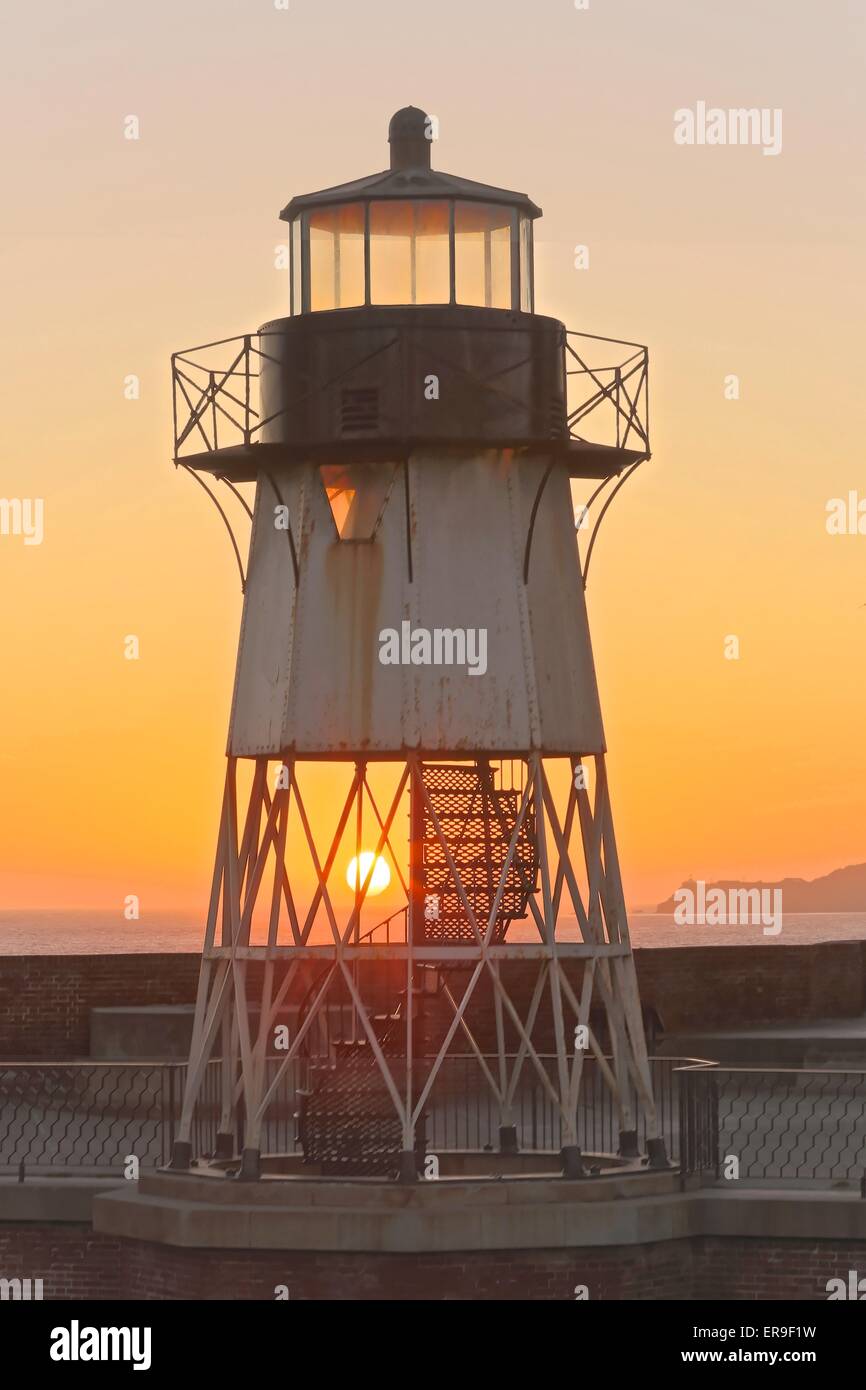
(843, 890)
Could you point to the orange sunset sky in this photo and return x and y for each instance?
(724, 260)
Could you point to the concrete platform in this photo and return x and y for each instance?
(54, 1199)
(141, 1032)
(451, 1215)
(156, 1032)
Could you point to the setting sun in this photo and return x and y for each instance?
(379, 879)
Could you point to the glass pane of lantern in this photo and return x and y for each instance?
(350, 255)
(526, 265)
(482, 237)
(409, 253)
(296, 265)
(337, 257)
(391, 227)
(432, 264)
(357, 493)
(323, 259)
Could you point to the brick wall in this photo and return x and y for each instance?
(707, 987)
(45, 1001)
(76, 1264)
(704, 987)
(739, 1268)
(71, 1260)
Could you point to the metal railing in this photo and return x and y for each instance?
(698, 1121)
(788, 1125)
(93, 1117)
(212, 389)
(216, 405)
(463, 1113)
(783, 1126)
(383, 933)
(86, 1115)
(616, 392)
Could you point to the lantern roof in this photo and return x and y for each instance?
(410, 176)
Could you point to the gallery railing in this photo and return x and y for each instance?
(216, 402)
(613, 388)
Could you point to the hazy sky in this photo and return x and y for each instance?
(723, 259)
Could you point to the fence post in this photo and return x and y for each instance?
(241, 1120)
(683, 1127)
(247, 369)
(169, 1128)
(174, 403)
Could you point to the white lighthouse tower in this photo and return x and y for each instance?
(414, 610)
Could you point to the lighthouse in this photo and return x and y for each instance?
(413, 613)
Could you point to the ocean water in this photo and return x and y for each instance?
(28, 933)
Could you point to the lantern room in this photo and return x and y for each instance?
(411, 236)
(411, 323)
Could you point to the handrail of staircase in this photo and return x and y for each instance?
(385, 922)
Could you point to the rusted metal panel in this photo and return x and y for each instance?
(500, 378)
(266, 645)
(560, 650)
(338, 702)
(505, 666)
